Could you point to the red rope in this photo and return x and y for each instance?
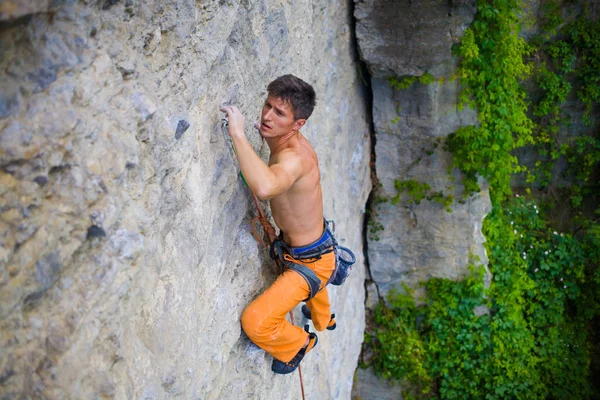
(267, 228)
(271, 236)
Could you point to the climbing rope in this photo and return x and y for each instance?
(264, 222)
(268, 229)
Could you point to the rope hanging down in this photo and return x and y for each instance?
(265, 223)
(268, 229)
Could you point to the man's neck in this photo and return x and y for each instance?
(280, 142)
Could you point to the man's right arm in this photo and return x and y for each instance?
(264, 181)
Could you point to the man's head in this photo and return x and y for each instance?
(289, 103)
(295, 92)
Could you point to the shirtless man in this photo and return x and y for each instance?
(291, 181)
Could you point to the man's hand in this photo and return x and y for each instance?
(235, 119)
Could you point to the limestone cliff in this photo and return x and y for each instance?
(126, 255)
(407, 39)
(412, 242)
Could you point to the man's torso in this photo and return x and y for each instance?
(299, 211)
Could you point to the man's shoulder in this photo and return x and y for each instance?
(299, 152)
(301, 148)
(305, 146)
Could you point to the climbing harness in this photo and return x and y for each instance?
(323, 245)
(288, 254)
(344, 258)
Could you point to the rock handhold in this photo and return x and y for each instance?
(10, 99)
(127, 73)
(182, 126)
(41, 180)
(109, 3)
(47, 269)
(95, 231)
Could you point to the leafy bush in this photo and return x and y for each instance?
(530, 343)
(492, 63)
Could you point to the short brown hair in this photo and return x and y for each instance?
(293, 90)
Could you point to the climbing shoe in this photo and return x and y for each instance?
(306, 312)
(280, 367)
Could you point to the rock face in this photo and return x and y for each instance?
(14, 9)
(370, 386)
(411, 242)
(424, 240)
(418, 241)
(403, 37)
(126, 254)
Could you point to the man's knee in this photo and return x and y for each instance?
(320, 326)
(250, 321)
(256, 323)
(321, 320)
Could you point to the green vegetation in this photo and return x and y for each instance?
(407, 81)
(492, 64)
(375, 227)
(402, 83)
(418, 191)
(566, 67)
(530, 344)
(532, 336)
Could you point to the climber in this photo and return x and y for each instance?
(291, 181)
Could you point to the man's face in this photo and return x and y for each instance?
(277, 118)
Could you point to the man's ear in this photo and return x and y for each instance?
(299, 123)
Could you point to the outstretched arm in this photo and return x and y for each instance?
(264, 181)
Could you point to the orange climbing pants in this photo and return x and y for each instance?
(264, 319)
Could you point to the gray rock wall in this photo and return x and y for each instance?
(403, 37)
(126, 254)
(415, 242)
(369, 386)
(419, 241)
